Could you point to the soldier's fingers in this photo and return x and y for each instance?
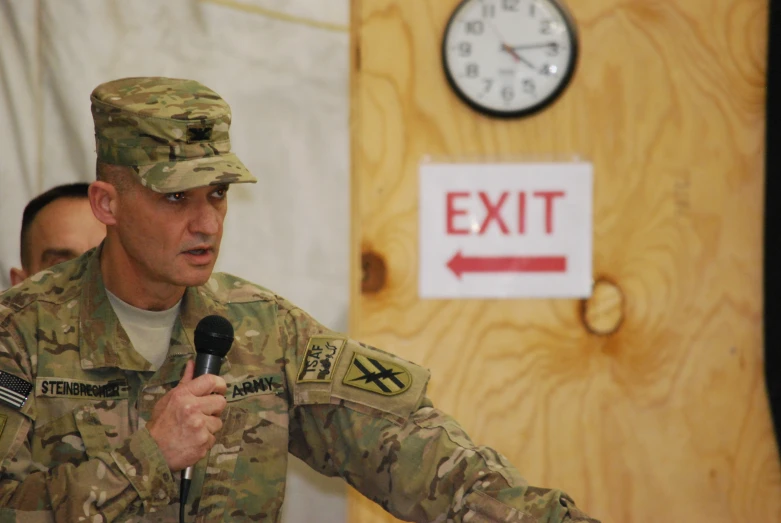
(213, 424)
(220, 386)
(212, 405)
(207, 384)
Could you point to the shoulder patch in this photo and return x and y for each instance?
(320, 359)
(14, 391)
(377, 375)
(363, 379)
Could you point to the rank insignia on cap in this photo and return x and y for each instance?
(199, 133)
(377, 375)
(322, 354)
(14, 391)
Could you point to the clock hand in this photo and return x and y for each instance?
(552, 45)
(509, 49)
(516, 56)
(512, 52)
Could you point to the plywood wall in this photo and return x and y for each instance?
(665, 418)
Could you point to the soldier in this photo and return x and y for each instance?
(56, 226)
(100, 410)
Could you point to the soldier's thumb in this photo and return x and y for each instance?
(189, 370)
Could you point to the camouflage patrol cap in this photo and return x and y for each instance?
(172, 132)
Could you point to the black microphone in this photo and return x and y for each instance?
(213, 340)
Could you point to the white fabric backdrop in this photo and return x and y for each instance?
(283, 67)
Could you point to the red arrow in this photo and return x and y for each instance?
(460, 264)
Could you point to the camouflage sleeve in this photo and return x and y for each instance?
(365, 417)
(93, 480)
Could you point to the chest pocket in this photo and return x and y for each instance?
(82, 430)
(101, 429)
(244, 475)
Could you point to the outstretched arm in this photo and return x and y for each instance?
(362, 414)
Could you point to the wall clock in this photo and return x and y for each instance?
(509, 58)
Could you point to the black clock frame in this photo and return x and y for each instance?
(552, 97)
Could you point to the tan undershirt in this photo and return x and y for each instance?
(149, 331)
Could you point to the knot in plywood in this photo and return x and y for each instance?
(603, 312)
(373, 271)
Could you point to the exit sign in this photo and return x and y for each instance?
(506, 230)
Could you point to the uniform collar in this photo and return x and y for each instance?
(104, 343)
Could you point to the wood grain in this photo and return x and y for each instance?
(666, 418)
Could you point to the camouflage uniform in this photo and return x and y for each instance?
(75, 397)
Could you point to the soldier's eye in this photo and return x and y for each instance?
(220, 192)
(175, 196)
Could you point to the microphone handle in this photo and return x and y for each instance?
(205, 363)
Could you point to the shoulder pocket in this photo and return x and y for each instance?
(14, 427)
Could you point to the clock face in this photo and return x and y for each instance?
(509, 57)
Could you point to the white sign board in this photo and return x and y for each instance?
(506, 230)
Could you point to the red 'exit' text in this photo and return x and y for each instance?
(457, 206)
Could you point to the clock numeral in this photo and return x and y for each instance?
(528, 86)
(474, 27)
(507, 93)
(553, 49)
(472, 71)
(532, 10)
(487, 83)
(465, 48)
(547, 27)
(489, 10)
(548, 70)
(510, 5)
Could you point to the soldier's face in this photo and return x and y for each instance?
(64, 229)
(172, 238)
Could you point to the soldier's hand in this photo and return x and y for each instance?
(185, 419)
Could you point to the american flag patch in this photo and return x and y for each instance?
(14, 391)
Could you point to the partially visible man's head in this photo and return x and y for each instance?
(56, 226)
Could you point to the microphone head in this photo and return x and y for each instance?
(213, 335)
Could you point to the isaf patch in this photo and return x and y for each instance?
(320, 359)
(14, 391)
(377, 375)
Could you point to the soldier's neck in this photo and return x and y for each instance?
(128, 282)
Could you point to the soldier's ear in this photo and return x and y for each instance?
(103, 199)
(17, 276)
